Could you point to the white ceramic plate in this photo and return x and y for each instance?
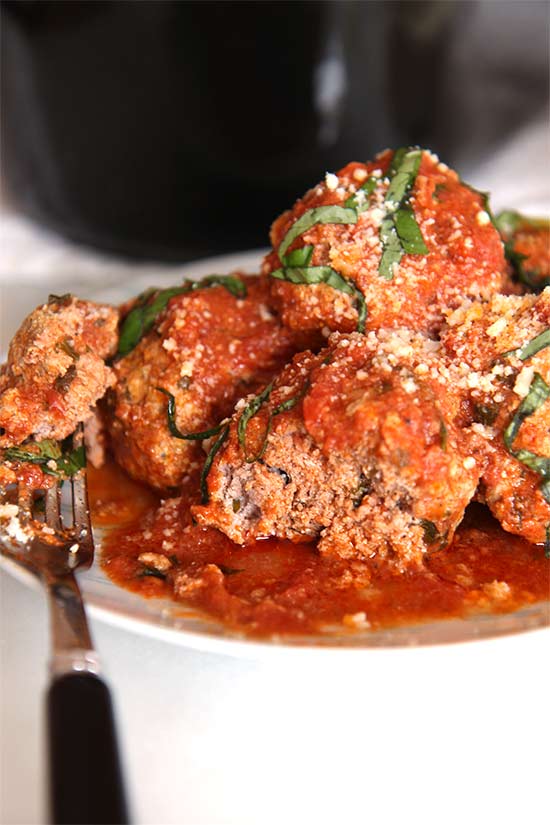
(168, 621)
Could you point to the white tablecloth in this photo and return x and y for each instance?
(443, 734)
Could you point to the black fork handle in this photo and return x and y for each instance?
(85, 774)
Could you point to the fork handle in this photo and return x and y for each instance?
(86, 777)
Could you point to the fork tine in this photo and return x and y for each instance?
(24, 501)
(53, 514)
(81, 510)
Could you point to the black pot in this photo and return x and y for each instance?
(177, 129)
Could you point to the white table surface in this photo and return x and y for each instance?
(448, 735)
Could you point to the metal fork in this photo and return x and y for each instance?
(86, 785)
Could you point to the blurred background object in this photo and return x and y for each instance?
(173, 130)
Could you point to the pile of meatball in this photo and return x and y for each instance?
(390, 364)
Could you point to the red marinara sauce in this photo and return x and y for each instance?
(277, 587)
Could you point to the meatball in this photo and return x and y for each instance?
(56, 371)
(527, 244)
(390, 243)
(356, 446)
(503, 349)
(207, 349)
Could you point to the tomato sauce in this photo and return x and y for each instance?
(277, 587)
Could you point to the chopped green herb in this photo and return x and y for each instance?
(70, 463)
(539, 392)
(46, 451)
(319, 214)
(144, 314)
(485, 414)
(253, 407)
(358, 202)
(172, 426)
(236, 505)
(329, 276)
(431, 533)
(409, 232)
(152, 572)
(399, 231)
(249, 412)
(214, 449)
(363, 488)
(66, 347)
(300, 257)
(535, 345)
(547, 542)
(508, 221)
(403, 171)
(392, 251)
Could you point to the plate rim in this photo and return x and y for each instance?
(460, 631)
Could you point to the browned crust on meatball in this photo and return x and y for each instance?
(56, 371)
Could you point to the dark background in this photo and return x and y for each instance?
(175, 130)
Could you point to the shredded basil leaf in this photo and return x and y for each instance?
(403, 171)
(409, 232)
(431, 533)
(300, 257)
(361, 204)
(329, 276)
(536, 344)
(319, 214)
(214, 449)
(67, 463)
(392, 251)
(253, 407)
(547, 542)
(508, 221)
(172, 426)
(249, 412)
(539, 392)
(143, 316)
(399, 230)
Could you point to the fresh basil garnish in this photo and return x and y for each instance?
(253, 407)
(539, 392)
(508, 223)
(319, 214)
(152, 302)
(536, 344)
(361, 202)
(172, 426)
(329, 276)
(214, 449)
(67, 463)
(399, 230)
